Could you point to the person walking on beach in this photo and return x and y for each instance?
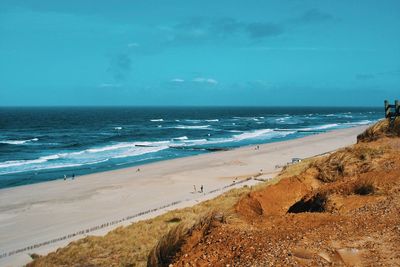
(65, 177)
(201, 189)
(194, 187)
(73, 176)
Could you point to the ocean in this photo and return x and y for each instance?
(43, 144)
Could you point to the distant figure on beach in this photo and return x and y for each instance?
(201, 188)
(65, 177)
(261, 171)
(138, 170)
(73, 176)
(194, 187)
(258, 147)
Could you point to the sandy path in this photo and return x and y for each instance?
(38, 213)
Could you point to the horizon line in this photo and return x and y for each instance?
(188, 106)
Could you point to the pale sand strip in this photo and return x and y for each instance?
(37, 213)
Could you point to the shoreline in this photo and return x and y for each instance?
(93, 199)
(136, 165)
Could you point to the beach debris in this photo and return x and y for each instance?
(296, 160)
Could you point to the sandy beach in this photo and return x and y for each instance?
(62, 211)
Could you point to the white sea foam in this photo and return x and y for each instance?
(192, 126)
(326, 126)
(330, 126)
(54, 166)
(18, 142)
(139, 151)
(117, 128)
(288, 120)
(252, 134)
(83, 157)
(157, 120)
(248, 118)
(212, 120)
(181, 138)
(282, 119)
(110, 147)
(14, 163)
(263, 134)
(346, 116)
(198, 140)
(125, 145)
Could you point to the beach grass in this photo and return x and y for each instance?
(131, 245)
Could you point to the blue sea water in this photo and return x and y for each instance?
(42, 144)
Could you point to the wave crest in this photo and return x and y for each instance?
(18, 142)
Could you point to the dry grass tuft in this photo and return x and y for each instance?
(380, 129)
(170, 244)
(346, 162)
(163, 253)
(364, 187)
(364, 190)
(34, 256)
(174, 220)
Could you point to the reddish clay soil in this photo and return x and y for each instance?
(343, 210)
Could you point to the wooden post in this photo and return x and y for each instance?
(387, 109)
(397, 108)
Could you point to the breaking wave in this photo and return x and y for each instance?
(18, 142)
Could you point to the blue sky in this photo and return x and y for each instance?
(170, 52)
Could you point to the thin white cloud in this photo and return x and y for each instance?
(212, 81)
(205, 80)
(177, 80)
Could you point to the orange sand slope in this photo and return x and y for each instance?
(343, 209)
